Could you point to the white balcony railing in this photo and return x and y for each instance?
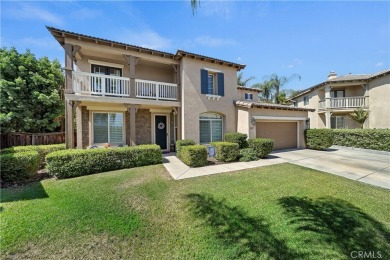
(155, 90)
(345, 102)
(97, 84)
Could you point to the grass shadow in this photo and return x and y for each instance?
(338, 222)
(251, 235)
(31, 191)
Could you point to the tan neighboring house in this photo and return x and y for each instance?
(126, 94)
(335, 98)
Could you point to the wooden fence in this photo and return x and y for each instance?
(17, 139)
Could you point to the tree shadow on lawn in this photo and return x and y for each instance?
(31, 191)
(252, 235)
(337, 222)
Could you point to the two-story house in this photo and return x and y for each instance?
(335, 98)
(126, 94)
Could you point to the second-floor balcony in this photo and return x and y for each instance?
(113, 86)
(344, 102)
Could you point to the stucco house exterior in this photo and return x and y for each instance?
(126, 94)
(335, 98)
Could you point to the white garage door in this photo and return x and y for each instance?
(283, 133)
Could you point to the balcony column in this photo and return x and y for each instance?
(327, 96)
(132, 62)
(132, 111)
(366, 95)
(327, 119)
(68, 89)
(179, 118)
(177, 80)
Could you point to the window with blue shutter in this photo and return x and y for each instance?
(221, 84)
(248, 96)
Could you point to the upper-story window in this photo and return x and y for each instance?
(212, 82)
(306, 100)
(337, 94)
(111, 85)
(248, 96)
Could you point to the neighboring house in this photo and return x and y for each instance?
(125, 94)
(335, 98)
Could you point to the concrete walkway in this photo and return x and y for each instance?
(357, 164)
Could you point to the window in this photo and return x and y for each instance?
(107, 128)
(337, 94)
(337, 122)
(307, 123)
(248, 96)
(212, 82)
(210, 128)
(305, 100)
(211, 89)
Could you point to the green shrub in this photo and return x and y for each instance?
(19, 166)
(194, 155)
(239, 138)
(247, 155)
(181, 143)
(319, 139)
(42, 150)
(375, 139)
(226, 151)
(262, 146)
(78, 162)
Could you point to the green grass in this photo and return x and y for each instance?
(275, 212)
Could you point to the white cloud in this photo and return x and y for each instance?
(45, 42)
(27, 11)
(290, 66)
(296, 62)
(213, 42)
(147, 39)
(239, 58)
(379, 64)
(85, 13)
(222, 9)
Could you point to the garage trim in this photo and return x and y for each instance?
(282, 119)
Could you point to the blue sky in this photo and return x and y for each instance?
(307, 38)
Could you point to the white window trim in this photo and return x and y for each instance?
(211, 128)
(92, 131)
(212, 70)
(108, 64)
(213, 97)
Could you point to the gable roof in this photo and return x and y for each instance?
(60, 34)
(345, 79)
(249, 89)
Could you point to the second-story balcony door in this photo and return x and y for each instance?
(337, 94)
(109, 85)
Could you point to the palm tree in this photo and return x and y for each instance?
(266, 89)
(278, 82)
(360, 115)
(241, 81)
(194, 5)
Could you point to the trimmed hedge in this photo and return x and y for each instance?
(19, 166)
(78, 162)
(194, 155)
(181, 143)
(375, 139)
(239, 138)
(319, 139)
(262, 146)
(42, 150)
(226, 151)
(247, 155)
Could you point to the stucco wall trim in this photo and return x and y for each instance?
(280, 118)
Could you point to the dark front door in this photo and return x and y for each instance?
(161, 131)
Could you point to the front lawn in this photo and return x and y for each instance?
(279, 212)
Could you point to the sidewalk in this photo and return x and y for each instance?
(179, 170)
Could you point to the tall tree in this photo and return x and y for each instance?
(278, 82)
(194, 5)
(30, 92)
(241, 81)
(360, 115)
(266, 89)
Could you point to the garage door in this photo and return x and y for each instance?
(284, 133)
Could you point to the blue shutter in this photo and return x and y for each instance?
(246, 96)
(221, 84)
(203, 81)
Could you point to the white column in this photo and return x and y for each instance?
(327, 117)
(327, 96)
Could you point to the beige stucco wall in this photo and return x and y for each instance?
(314, 99)
(379, 102)
(194, 103)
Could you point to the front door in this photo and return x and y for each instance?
(161, 131)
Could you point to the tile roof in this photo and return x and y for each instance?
(249, 89)
(179, 54)
(248, 104)
(345, 78)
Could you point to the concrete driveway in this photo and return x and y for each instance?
(371, 167)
